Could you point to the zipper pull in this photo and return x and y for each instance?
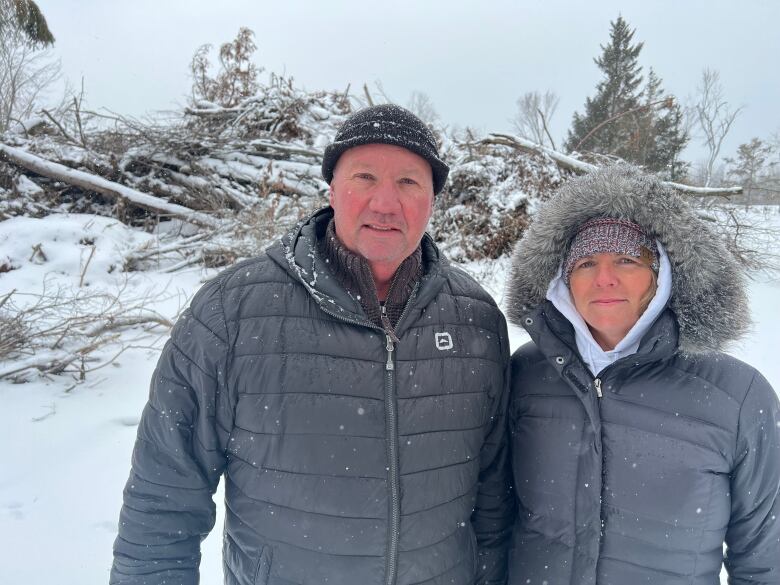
(389, 347)
(597, 384)
(387, 326)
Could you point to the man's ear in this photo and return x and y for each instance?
(331, 195)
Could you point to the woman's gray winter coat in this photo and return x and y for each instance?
(348, 459)
(681, 452)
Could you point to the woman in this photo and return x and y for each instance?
(638, 447)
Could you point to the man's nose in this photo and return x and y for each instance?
(386, 198)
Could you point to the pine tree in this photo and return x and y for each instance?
(750, 164)
(670, 140)
(643, 126)
(662, 136)
(25, 17)
(616, 94)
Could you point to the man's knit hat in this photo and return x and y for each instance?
(386, 124)
(617, 236)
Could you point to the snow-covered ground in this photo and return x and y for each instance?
(65, 446)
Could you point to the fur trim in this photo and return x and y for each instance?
(708, 285)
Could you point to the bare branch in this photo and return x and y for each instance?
(546, 129)
(64, 132)
(533, 112)
(714, 116)
(86, 265)
(368, 95)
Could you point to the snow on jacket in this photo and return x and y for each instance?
(640, 475)
(347, 459)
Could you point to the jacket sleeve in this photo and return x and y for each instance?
(178, 456)
(753, 535)
(493, 515)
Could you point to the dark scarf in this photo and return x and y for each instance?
(353, 272)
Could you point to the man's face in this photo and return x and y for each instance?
(382, 196)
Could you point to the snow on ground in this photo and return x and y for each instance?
(65, 447)
(61, 247)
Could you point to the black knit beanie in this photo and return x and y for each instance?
(386, 124)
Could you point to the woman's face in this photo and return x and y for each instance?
(610, 292)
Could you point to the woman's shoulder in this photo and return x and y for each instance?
(726, 372)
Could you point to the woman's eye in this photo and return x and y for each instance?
(627, 260)
(584, 264)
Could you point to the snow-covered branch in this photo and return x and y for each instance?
(572, 164)
(523, 144)
(98, 184)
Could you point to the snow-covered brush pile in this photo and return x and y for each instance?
(207, 158)
(490, 194)
(243, 174)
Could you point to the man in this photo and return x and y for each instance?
(349, 384)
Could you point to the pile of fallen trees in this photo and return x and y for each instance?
(240, 175)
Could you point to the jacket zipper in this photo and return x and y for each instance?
(599, 394)
(391, 566)
(391, 421)
(392, 457)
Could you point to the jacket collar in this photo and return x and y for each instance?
(555, 338)
(297, 253)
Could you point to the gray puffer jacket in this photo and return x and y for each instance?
(348, 459)
(641, 474)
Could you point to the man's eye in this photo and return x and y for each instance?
(364, 176)
(408, 181)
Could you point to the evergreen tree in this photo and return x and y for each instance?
(617, 93)
(750, 165)
(24, 16)
(661, 136)
(643, 126)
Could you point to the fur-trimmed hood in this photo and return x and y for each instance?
(708, 284)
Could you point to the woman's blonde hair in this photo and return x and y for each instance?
(644, 302)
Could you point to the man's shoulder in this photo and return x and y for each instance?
(463, 284)
(252, 271)
(255, 270)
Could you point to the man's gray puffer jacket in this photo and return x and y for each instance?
(348, 459)
(681, 452)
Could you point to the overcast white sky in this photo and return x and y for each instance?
(472, 58)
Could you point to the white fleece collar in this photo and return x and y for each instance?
(596, 358)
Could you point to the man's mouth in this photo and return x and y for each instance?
(381, 228)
